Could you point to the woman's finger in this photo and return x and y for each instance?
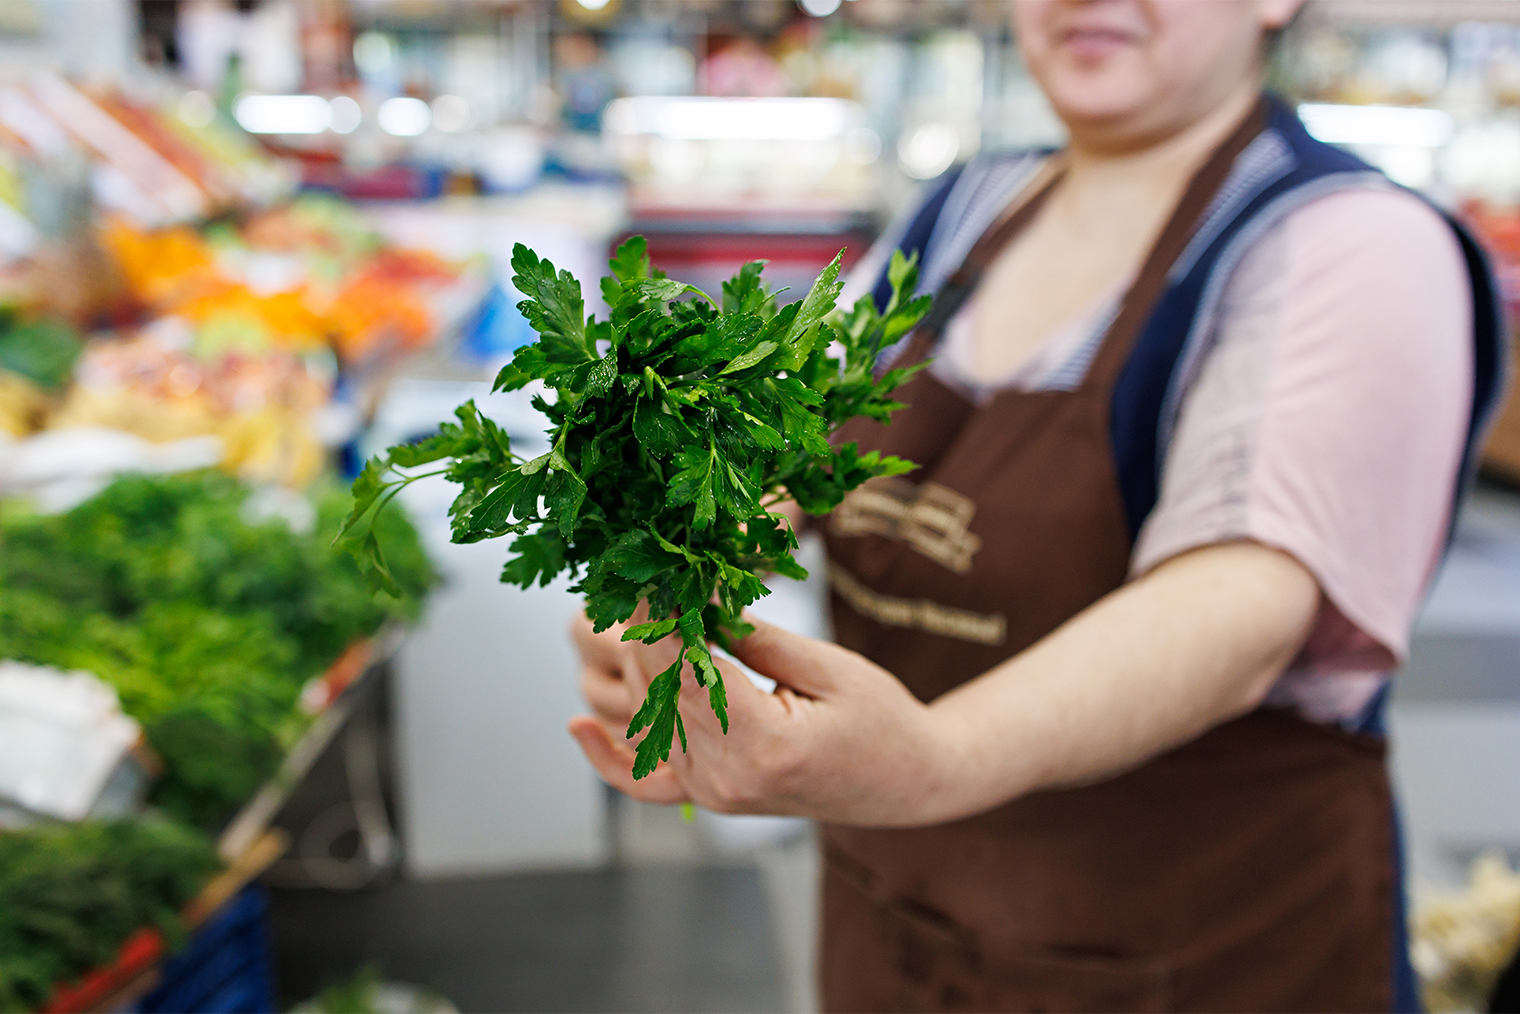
(617, 731)
(649, 660)
(614, 762)
(742, 697)
(604, 649)
(606, 694)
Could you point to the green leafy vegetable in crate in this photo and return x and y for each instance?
(70, 896)
(206, 618)
(41, 350)
(676, 426)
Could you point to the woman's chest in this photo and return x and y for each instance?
(1057, 272)
(1010, 525)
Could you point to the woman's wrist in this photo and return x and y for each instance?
(970, 768)
(942, 771)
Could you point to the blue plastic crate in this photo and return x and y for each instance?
(225, 968)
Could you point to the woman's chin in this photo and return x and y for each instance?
(1101, 90)
(1098, 107)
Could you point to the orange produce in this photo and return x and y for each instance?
(162, 265)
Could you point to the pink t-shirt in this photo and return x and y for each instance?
(1328, 420)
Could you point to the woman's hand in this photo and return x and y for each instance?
(608, 681)
(840, 738)
(1196, 642)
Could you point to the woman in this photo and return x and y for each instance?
(1101, 730)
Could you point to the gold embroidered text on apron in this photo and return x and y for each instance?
(918, 613)
(931, 518)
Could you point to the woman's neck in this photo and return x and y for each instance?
(1161, 166)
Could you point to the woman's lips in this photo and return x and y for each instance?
(1094, 43)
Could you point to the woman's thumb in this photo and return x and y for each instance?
(801, 663)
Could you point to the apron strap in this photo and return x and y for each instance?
(1143, 293)
(1149, 285)
(958, 288)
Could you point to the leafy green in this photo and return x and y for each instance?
(354, 995)
(42, 350)
(676, 426)
(207, 620)
(70, 895)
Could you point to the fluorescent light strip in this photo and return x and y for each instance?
(717, 119)
(283, 114)
(1398, 125)
(404, 116)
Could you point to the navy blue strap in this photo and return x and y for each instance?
(916, 238)
(1490, 355)
(1140, 396)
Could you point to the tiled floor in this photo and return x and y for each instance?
(674, 938)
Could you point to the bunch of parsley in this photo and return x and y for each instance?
(676, 426)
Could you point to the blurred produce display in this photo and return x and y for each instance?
(37, 358)
(171, 297)
(215, 304)
(154, 384)
(41, 351)
(1498, 228)
(159, 161)
(244, 321)
(71, 894)
(208, 607)
(302, 277)
(161, 280)
(1463, 941)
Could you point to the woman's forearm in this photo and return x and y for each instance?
(1196, 642)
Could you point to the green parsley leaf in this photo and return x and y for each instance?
(668, 450)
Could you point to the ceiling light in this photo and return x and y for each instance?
(1403, 125)
(283, 114)
(718, 119)
(404, 116)
(346, 115)
(451, 113)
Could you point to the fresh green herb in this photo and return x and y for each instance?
(676, 425)
(42, 350)
(207, 618)
(354, 995)
(71, 894)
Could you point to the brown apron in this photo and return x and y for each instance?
(1250, 869)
